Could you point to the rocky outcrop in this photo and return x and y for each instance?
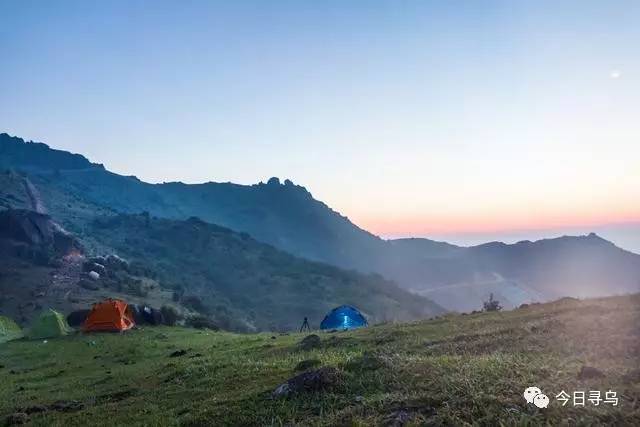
(322, 379)
(37, 231)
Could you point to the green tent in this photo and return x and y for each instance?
(9, 330)
(50, 324)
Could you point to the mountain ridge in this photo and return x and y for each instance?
(287, 216)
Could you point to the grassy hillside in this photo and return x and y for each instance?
(245, 284)
(12, 191)
(456, 370)
(242, 284)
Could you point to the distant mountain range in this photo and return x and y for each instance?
(286, 216)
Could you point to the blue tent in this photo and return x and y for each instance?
(343, 317)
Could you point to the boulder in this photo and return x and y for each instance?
(325, 378)
(36, 230)
(98, 260)
(94, 266)
(94, 275)
(114, 262)
(310, 342)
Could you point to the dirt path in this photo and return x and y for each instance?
(34, 197)
(65, 278)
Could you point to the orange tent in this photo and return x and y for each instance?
(110, 315)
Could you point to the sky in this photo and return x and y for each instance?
(465, 120)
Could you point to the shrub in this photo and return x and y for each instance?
(201, 322)
(195, 303)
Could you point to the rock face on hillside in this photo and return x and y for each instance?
(37, 231)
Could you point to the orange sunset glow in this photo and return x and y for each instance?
(426, 225)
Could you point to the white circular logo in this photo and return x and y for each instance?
(541, 400)
(530, 393)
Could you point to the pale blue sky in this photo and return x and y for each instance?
(422, 118)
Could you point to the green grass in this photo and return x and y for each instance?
(457, 370)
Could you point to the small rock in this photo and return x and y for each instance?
(307, 364)
(99, 268)
(321, 379)
(35, 409)
(588, 372)
(398, 418)
(282, 390)
(67, 405)
(94, 275)
(17, 419)
(359, 399)
(310, 342)
(94, 266)
(178, 353)
(115, 262)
